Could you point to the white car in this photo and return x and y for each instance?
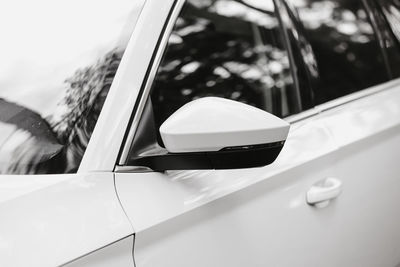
(200, 133)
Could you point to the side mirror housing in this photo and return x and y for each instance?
(213, 124)
(217, 133)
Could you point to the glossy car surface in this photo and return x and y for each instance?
(330, 68)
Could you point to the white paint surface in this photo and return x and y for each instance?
(213, 123)
(259, 217)
(48, 220)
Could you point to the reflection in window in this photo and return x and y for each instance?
(388, 14)
(343, 41)
(53, 87)
(225, 48)
(391, 9)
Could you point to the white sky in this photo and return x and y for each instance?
(43, 42)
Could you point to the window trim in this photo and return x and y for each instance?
(280, 10)
(290, 24)
(341, 101)
(148, 80)
(378, 35)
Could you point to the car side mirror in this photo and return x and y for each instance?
(217, 133)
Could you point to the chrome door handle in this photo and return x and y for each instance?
(325, 190)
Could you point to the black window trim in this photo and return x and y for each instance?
(279, 9)
(378, 35)
(148, 82)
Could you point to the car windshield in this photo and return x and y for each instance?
(58, 60)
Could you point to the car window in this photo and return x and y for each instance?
(226, 48)
(344, 44)
(391, 9)
(387, 13)
(58, 60)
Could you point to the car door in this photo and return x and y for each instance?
(260, 216)
(366, 130)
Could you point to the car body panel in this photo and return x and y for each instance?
(49, 220)
(232, 218)
(115, 255)
(175, 192)
(367, 132)
(213, 217)
(260, 217)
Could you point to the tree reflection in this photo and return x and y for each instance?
(343, 41)
(387, 13)
(85, 95)
(56, 144)
(27, 140)
(225, 48)
(52, 87)
(391, 9)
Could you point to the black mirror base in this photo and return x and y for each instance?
(227, 158)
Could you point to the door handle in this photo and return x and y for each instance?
(323, 191)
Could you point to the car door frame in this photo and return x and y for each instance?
(153, 64)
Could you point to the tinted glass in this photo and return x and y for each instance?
(348, 56)
(391, 9)
(225, 48)
(58, 60)
(388, 16)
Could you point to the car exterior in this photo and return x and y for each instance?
(72, 193)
